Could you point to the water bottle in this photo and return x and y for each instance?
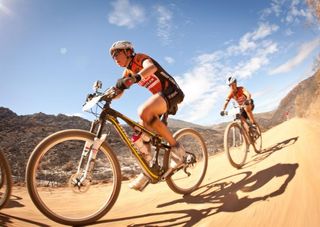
(142, 143)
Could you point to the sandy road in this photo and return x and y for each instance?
(277, 188)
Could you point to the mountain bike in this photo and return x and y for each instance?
(5, 181)
(81, 166)
(238, 137)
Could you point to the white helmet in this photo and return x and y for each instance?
(121, 45)
(231, 80)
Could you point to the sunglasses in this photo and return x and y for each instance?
(116, 53)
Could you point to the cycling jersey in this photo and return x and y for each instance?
(159, 82)
(239, 95)
(156, 82)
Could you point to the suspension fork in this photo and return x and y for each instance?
(92, 149)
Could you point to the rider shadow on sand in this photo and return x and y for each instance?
(266, 152)
(222, 195)
(224, 191)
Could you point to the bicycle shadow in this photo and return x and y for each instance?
(13, 202)
(220, 196)
(266, 152)
(5, 220)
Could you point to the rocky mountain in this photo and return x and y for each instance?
(19, 135)
(302, 101)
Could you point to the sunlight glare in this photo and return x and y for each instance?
(4, 9)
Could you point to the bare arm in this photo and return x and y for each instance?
(148, 68)
(227, 101)
(126, 81)
(225, 104)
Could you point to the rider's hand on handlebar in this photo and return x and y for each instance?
(125, 82)
(89, 97)
(116, 91)
(112, 93)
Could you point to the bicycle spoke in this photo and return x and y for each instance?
(57, 179)
(190, 176)
(235, 145)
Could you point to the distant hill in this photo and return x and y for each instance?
(175, 123)
(302, 101)
(20, 134)
(264, 120)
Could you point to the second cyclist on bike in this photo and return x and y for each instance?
(243, 98)
(166, 95)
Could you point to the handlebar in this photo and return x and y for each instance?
(95, 98)
(110, 93)
(234, 111)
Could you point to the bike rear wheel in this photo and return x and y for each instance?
(52, 171)
(257, 140)
(189, 178)
(235, 145)
(5, 181)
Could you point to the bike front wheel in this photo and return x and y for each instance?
(189, 178)
(55, 165)
(5, 181)
(235, 145)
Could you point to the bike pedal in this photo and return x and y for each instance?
(171, 171)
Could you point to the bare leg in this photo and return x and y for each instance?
(149, 113)
(245, 124)
(248, 110)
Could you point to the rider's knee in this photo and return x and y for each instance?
(144, 113)
(147, 116)
(144, 116)
(152, 120)
(149, 119)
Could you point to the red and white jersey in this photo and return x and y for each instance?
(156, 82)
(239, 95)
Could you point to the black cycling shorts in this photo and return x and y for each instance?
(244, 113)
(173, 97)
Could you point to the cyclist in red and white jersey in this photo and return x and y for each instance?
(243, 98)
(166, 95)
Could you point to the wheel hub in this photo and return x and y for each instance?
(76, 185)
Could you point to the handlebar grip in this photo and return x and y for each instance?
(223, 113)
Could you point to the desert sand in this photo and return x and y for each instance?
(280, 187)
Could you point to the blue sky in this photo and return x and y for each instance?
(52, 51)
